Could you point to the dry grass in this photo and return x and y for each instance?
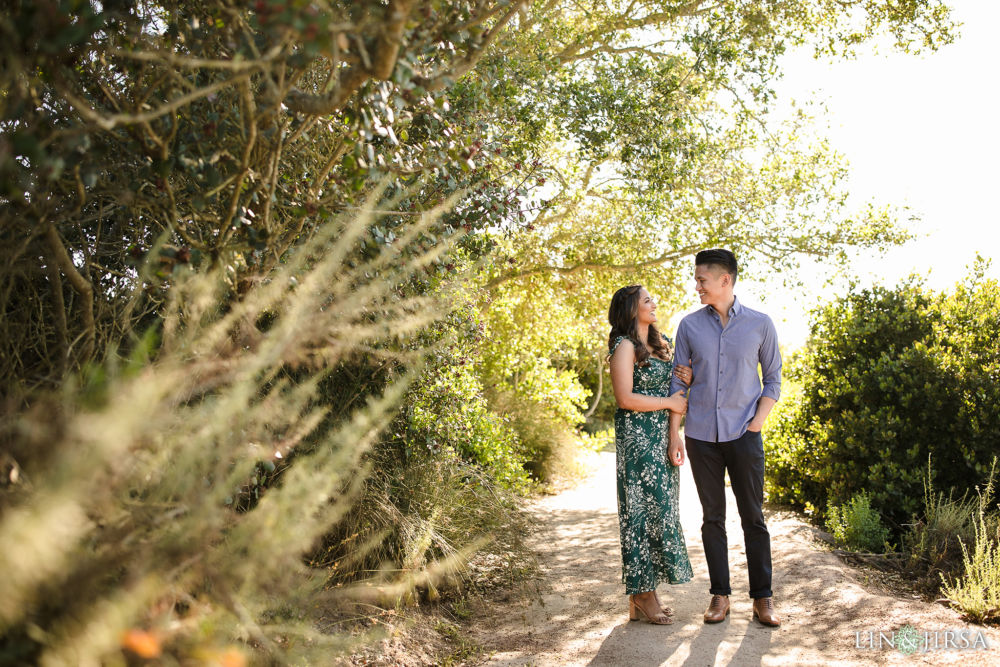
(976, 593)
(123, 514)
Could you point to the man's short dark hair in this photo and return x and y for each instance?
(720, 257)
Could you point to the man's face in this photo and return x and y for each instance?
(711, 283)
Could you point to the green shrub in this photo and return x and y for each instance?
(530, 339)
(444, 476)
(599, 441)
(448, 411)
(421, 507)
(857, 526)
(548, 444)
(977, 592)
(890, 377)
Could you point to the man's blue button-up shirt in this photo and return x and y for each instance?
(722, 399)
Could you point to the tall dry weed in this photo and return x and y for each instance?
(123, 528)
(976, 592)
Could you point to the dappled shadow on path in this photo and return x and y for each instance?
(637, 644)
(579, 615)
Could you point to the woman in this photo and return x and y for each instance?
(653, 548)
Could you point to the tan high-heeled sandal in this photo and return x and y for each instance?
(635, 610)
(664, 608)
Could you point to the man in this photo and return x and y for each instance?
(724, 342)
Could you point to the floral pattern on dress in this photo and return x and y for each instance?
(652, 540)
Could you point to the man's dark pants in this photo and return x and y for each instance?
(744, 458)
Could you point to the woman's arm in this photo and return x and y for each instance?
(675, 451)
(622, 363)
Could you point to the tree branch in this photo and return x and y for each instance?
(390, 38)
(60, 312)
(596, 266)
(351, 79)
(648, 50)
(600, 388)
(190, 62)
(624, 22)
(113, 121)
(80, 284)
(465, 65)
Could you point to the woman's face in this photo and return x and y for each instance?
(647, 308)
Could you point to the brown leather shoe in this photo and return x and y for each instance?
(763, 611)
(718, 609)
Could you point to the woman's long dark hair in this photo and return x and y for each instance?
(623, 316)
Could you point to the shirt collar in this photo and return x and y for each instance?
(734, 310)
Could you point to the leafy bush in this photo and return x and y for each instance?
(547, 442)
(447, 411)
(417, 511)
(888, 378)
(977, 592)
(527, 338)
(444, 477)
(599, 441)
(857, 526)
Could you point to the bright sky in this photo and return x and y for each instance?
(921, 132)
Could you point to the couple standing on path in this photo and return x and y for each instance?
(726, 408)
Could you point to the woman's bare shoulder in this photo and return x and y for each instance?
(622, 346)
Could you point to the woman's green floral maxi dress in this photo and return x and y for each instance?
(653, 548)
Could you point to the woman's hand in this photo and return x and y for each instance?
(677, 403)
(685, 374)
(675, 452)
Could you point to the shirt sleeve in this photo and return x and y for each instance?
(770, 361)
(682, 356)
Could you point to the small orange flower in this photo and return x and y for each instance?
(143, 643)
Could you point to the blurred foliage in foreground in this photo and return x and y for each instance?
(141, 499)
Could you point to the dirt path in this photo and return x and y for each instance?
(579, 617)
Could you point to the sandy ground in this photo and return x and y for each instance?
(579, 616)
